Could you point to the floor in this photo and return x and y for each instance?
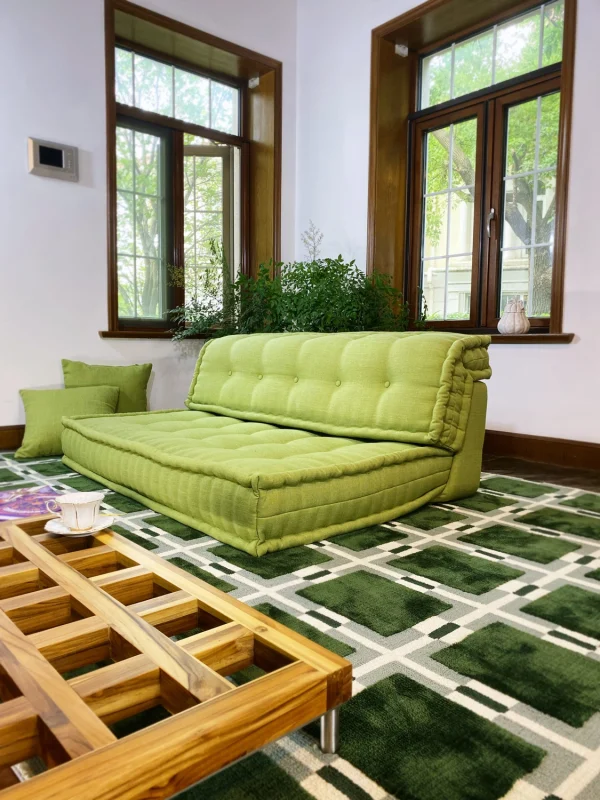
(473, 628)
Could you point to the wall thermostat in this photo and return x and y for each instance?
(52, 160)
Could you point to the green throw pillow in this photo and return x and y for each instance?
(132, 381)
(45, 408)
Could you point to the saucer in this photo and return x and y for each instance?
(57, 526)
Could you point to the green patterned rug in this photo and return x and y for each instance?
(473, 628)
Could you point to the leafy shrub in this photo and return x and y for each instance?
(324, 295)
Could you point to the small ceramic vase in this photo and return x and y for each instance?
(514, 319)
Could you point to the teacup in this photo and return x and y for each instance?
(79, 511)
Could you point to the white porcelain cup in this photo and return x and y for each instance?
(79, 511)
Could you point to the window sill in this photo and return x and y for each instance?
(497, 338)
(140, 335)
(533, 338)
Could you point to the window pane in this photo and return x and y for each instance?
(153, 85)
(192, 98)
(522, 44)
(124, 76)
(140, 227)
(125, 227)
(125, 158)
(438, 156)
(550, 116)
(147, 227)
(541, 282)
(436, 78)
(518, 47)
(448, 219)
(204, 246)
(436, 226)
(529, 204)
(173, 92)
(147, 173)
(461, 223)
(150, 287)
(209, 183)
(433, 283)
(126, 280)
(189, 236)
(521, 138)
(458, 301)
(545, 208)
(473, 64)
(554, 20)
(464, 149)
(515, 276)
(209, 234)
(518, 211)
(224, 102)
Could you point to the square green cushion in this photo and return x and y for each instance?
(45, 408)
(131, 380)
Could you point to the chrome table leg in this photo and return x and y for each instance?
(330, 726)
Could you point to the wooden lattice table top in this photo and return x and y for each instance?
(70, 602)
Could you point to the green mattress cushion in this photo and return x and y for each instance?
(252, 484)
(405, 387)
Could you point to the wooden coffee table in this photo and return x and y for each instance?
(70, 602)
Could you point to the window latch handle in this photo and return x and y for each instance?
(491, 216)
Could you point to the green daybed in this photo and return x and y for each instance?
(294, 437)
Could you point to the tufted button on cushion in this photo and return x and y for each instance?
(296, 379)
(260, 377)
(338, 383)
(387, 384)
(230, 372)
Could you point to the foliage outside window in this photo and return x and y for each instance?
(481, 233)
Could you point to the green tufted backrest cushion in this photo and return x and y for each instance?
(409, 387)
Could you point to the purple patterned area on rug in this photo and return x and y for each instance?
(20, 503)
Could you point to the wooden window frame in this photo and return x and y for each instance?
(259, 141)
(394, 84)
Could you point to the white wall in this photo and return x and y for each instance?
(53, 234)
(536, 389)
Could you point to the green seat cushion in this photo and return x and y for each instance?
(45, 408)
(251, 484)
(131, 380)
(411, 387)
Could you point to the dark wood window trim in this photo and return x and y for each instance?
(259, 139)
(394, 80)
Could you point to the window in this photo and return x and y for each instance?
(508, 50)
(194, 153)
(142, 224)
(479, 138)
(150, 157)
(161, 88)
(488, 233)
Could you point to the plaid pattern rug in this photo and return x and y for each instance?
(473, 628)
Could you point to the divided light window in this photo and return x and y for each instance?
(154, 86)
(178, 184)
(484, 172)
